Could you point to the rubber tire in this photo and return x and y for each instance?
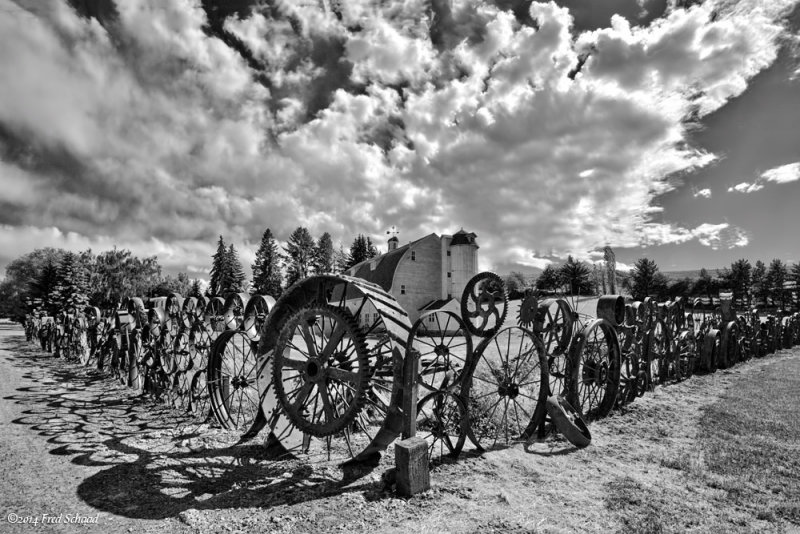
(568, 421)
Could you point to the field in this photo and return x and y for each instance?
(717, 453)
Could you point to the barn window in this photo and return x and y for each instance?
(403, 290)
(449, 275)
(413, 255)
(448, 252)
(430, 318)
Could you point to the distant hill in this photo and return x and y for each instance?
(680, 275)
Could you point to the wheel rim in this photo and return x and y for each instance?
(444, 346)
(505, 388)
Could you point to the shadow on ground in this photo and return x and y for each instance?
(148, 460)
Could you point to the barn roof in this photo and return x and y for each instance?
(463, 238)
(385, 267)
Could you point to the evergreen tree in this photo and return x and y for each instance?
(576, 276)
(237, 280)
(323, 255)
(362, 249)
(299, 255)
(642, 278)
(219, 270)
(738, 279)
(341, 260)
(195, 290)
(775, 278)
(549, 280)
(758, 281)
(267, 277)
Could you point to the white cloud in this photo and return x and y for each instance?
(150, 130)
(704, 193)
(779, 175)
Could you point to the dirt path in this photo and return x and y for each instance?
(76, 442)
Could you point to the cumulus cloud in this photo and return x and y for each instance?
(704, 193)
(778, 175)
(152, 132)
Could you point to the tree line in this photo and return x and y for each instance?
(749, 284)
(54, 278)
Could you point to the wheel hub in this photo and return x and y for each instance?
(509, 389)
(315, 371)
(441, 350)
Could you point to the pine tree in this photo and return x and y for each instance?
(642, 278)
(340, 260)
(237, 280)
(299, 254)
(45, 285)
(219, 269)
(195, 290)
(775, 278)
(759, 281)
(362, 249)
(267, 276)
(323, 255)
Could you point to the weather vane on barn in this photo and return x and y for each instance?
(393, 231)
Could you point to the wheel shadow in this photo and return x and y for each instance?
(153, 462)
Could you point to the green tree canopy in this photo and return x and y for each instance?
(549, 280)
(323, 255)
(362, 249)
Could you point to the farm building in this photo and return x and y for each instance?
(425, 275)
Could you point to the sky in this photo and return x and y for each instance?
(665, 129)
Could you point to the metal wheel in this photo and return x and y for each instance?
(554, 324)
(444, 347)
(442, 421)
(506, 388)
(686, 352)
(199, 400)
(255, 314)
(214, 315)
(710, 350)
(729, 345)
(484, 304)
(594, 370)
(232, 380)
(233, 310)
(658, 353)
(360, 423)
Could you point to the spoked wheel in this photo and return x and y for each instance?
(554, 324)
(232, 381)
(200, 341)
(506, 388)
(135, 367)
(199, 400)
(659, 344)
(214, 315)
(594, 370)
(328, 358)
(442, 422)
(182, 350)
(444, 347)
(484, 304)
(686, 354)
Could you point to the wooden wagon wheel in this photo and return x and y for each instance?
(505, 388)
(444, 345)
